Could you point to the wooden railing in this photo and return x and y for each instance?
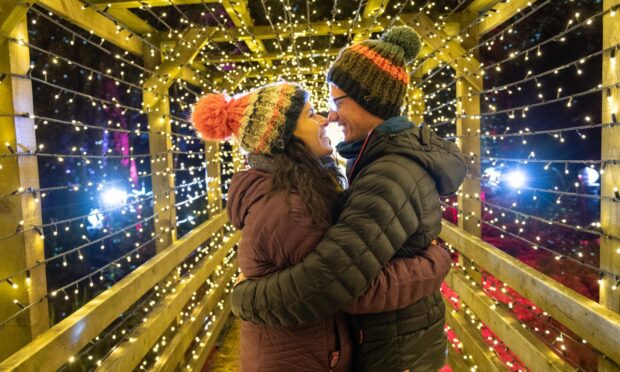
(188, 345)
(56, 346)
(590, 320)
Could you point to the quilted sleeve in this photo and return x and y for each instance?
(403, 282)
(379, 216)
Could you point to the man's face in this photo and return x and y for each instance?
(351, 117)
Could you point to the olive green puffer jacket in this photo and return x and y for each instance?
(392, 208)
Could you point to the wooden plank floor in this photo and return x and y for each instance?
(225, 355)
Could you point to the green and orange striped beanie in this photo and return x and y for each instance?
(262, 120)
(373, 72)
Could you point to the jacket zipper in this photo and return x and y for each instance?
(359, 156)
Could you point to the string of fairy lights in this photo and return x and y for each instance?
(186, 144)
(504, 297)
(572, 254)
(537, 48)
(72, 289)
(442, 22)
(510, 305)
(528, 78)
(561, 36)
(463, 31)
(469, 52)
(54, 227)
(217, 279)
(521, 220)
(122, 331)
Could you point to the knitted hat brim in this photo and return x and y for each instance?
(298, 101)
(362, 94)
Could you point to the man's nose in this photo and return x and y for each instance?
(323, 122)
(332, 116)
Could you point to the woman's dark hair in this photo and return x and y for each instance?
(318, 181)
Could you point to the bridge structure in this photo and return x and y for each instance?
(115, 249)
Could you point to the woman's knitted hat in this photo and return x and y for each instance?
(373, 72)
(262, 120)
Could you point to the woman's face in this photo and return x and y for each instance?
(311, 131)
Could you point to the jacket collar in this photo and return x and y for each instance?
(350, 150)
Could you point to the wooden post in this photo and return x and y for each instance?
(473, 344)
(589, 320)
(416, 105)
(157, 106)
(214, 177)
(237, 157)
(469, 104)
(610, 179)
(25, 249)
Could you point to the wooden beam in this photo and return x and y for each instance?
(53, 348)
(425, 51)
(416, 106)
(132, 21)
(429, 64)
(456, 361)
(610, 138)
(240, 15)
(269, 56)
(610, 210)
(157, 106)
(527, 346)
(174, 355)
(467, 109)
(451, 28)
(229, 84)
(478, 6)
(501, 13)
(451, 52)
(186, 49)
(196, 362)
(300, 70)
(88, 19)
(473, 344)
(21, 172)
(301, 29)
(372, 9)
(102, 4)
(12, 13)
(128, 355)
(214, 176)
(190, 76)
(427, 67)
(590, 320)
(467, 124)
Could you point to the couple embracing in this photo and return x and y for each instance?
(335, 277)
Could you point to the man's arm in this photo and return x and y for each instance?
(403, 282)
(376, 221)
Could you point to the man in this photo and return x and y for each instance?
(396, 174)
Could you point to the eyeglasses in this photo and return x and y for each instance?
(333, 102)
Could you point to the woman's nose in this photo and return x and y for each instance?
(332, 116)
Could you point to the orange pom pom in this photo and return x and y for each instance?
(216, 118)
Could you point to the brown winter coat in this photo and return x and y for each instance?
(277, 233)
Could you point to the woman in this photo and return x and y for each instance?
(284, 203)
